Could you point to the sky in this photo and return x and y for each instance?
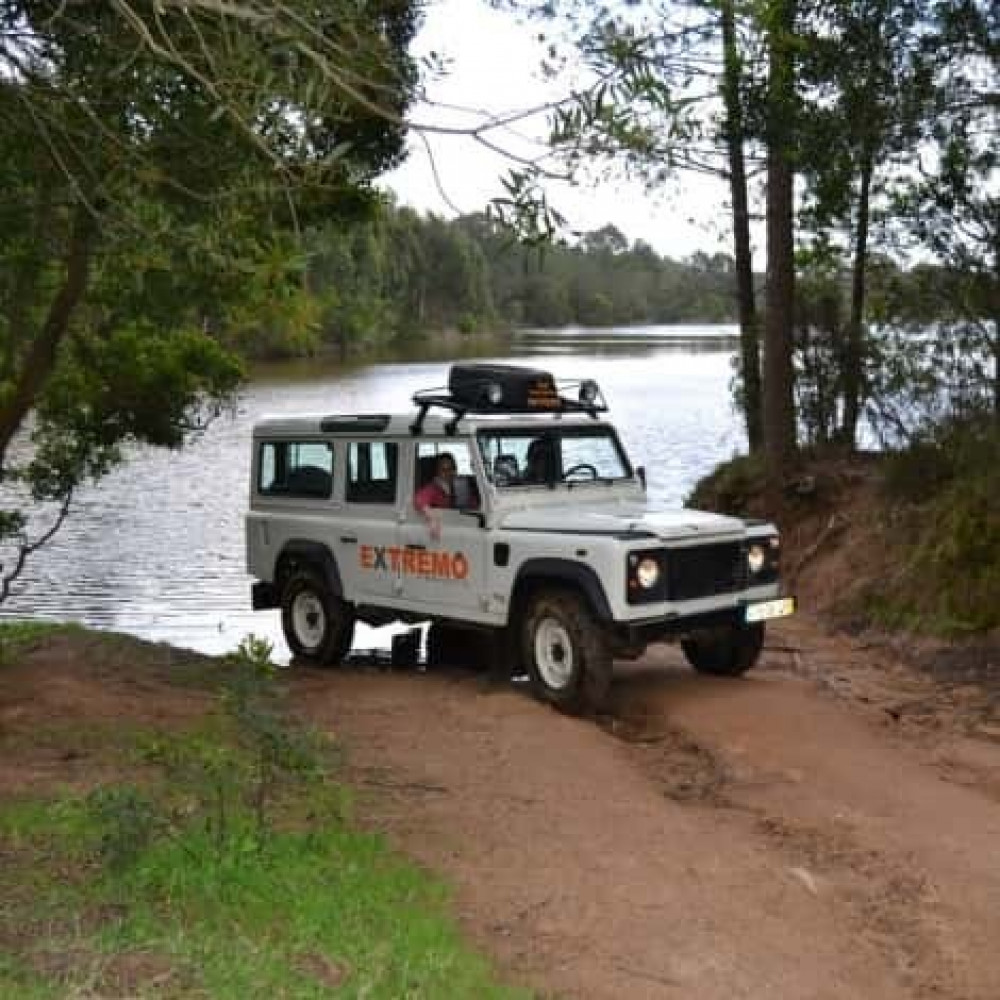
(494, 66)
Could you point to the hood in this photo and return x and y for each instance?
(621, 519)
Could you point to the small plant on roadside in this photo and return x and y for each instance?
(222, 785)
(278, 749)
(129, 821)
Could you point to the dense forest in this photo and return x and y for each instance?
(401, 275)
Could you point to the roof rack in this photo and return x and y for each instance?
(507, 389)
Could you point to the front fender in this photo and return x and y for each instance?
(564, 572)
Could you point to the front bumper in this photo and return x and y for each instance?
(675, 625)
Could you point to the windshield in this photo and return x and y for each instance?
(537, 456)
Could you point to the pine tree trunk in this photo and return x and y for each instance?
(996, 327)
(747, 311)
(778, 399)
(854, 349)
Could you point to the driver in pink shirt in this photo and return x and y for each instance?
(439, 492)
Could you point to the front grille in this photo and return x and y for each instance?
(705, 570)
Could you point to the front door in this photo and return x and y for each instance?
(445, 577)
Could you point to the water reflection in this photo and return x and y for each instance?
(157, 549)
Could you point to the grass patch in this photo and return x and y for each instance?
(945, 542)
(225, 866)
(18, 637)
(312, 913)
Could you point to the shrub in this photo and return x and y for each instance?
(948, 548)
(730, 488)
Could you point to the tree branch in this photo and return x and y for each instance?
(27, 549)
(41, 356)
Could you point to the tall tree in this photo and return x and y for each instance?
(673, 81)
(778, 399)
(953, 208)
(865, 66)
(155, 157)
(734, 131)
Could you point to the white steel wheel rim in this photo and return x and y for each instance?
(309, 619)
(554, 653)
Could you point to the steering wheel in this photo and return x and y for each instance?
(580, 467)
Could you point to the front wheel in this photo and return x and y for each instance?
(725, 652)
(318, 626)
(566, 652)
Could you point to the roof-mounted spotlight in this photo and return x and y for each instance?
(588, 391)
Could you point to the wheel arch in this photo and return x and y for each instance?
(537, 574)
(299, 553)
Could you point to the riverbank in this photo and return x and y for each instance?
(847, 801)
(426, 345)
(168, 828)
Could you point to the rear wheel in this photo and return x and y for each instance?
(318, 626)
(726, 652)
(566, 652)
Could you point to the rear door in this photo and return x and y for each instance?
(367, 535)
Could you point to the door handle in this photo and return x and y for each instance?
(348, 539)
(417, 547)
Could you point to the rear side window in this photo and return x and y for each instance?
(295, 469)
(371, 472)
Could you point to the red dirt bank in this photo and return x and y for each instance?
(828, 827)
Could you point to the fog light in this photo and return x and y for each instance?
(494, 393)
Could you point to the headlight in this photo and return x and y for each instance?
(763, 556)
(494, 393)
(647, 573)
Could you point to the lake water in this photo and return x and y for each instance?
(157, 550)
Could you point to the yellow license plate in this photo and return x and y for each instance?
(765, 610)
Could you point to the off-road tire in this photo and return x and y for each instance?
(725, 652)
(318, 626)
(566, 652)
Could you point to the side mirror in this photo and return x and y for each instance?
(641, 473)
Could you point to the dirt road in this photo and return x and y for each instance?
(828, 827)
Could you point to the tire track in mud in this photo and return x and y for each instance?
(889, 899)
(572, 867)
(707, 840)
(898, 895)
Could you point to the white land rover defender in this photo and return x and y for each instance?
(546, 545)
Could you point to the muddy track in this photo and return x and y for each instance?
(827, 827)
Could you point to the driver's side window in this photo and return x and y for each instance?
(465, 494)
